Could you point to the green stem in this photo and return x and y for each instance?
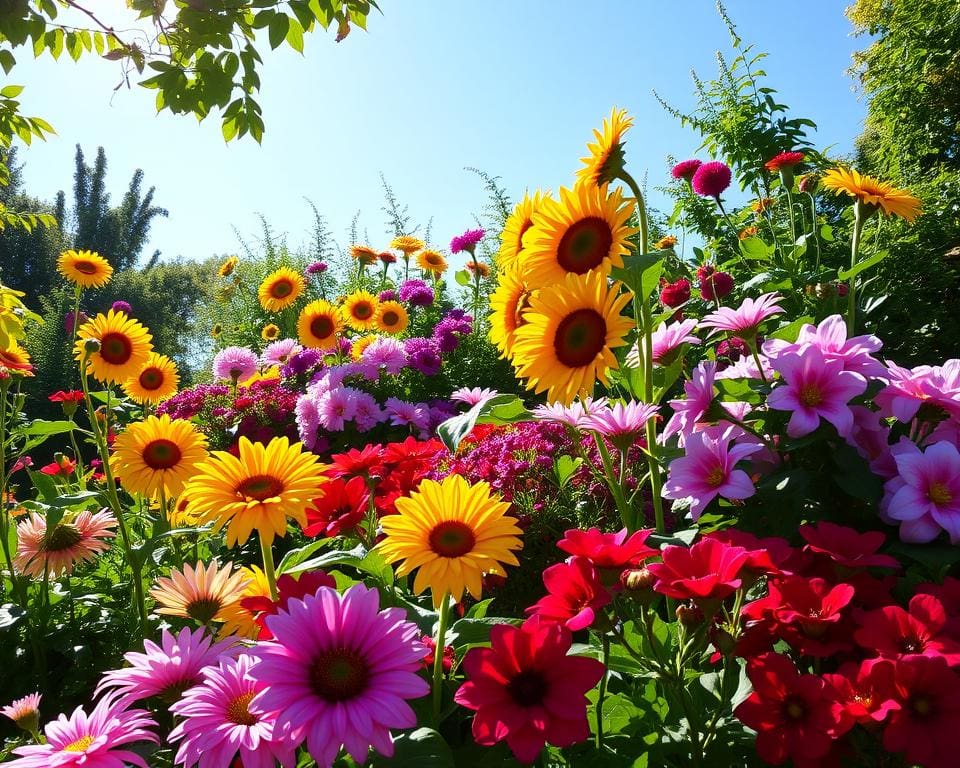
(438, 657)
(616, 490)
(858, 222)
(602, 694)
(266, 549)
(793, 221)
(813, 226)
(756, 358)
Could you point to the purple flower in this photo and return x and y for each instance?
(68, 321)
(367, 412)
(467, 241)
(440, 412)
(447, 332)
(388, 295)
(316, 268)
(280, 352)
(416, 293)
(925, 498)
(302, 363)
(473, 396)
(308, 420)
(693, 408)
(336, 407)
(385, 353)
(234, 364)
(404, 414)
(121, 306)
(423, 354)
(667, 339)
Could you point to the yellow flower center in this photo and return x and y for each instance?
(716, 476)
(238, 710)
(939, 494)
(810, 395)
(80, 745)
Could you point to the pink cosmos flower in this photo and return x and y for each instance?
(745, 319)
(219, 723)
(279, 352)
(621, 422)
(667, 339)
(573, 415)
(404, 414)
(937, 387)
(706, 470)
(386, 354)
(165, 670)
(473, 396)
(336, 407)
(746, 368)
(692, 409)
(830, 337)
(234, 363)
(929, 496)
(815, 387)
(339, 671)
(91, 741)
(24, 712)
(74, 540)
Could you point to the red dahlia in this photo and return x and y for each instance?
(61, 396)
(767, 555)
(340, 510)
(675, 294)
(576, 595)
(783, 160)
(364, 462)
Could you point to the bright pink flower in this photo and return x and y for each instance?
(711, 179)
(692, 408)
(709, 569)
(948, 593)
(467, 241)
(526, 690)
(74, 540)
(893, 632)
(608, 550)
(866, 690)
(675, 294)
(667, 339)
(24, 712)
(336, 407)
(928, 492)
(935, 388)
(473, 396)
(622, 423)
(744, 321)
(234, 363)
(576, 596)
(847, 547)
(685, 169)
(830, 337)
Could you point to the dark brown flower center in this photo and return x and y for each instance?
(339, 674)
(204, 609)
(161, 454)
(116, 348)
(362, 310)
(321, 326)
(238, 710)
(85, 267)
(62, 537)
(173, 693)
(580, 337)
(260, 487)
(585, 245)
(528, 688)
(452, 539)
(281, 289)
(151, 378)
(390, 317)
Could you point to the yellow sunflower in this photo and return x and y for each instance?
(216, 331)
(124, 347)
(568, 335)
(241, 621)
(605, 160)
(585, 231)
(665, 242)
(16, 360)
(280, 289)
(358, 345)
(431, 261)
(873, 193)
(360, 310)
(507, 304)
(364, 254)
(226, 269)
(392, 317)
(407, 244)
(180, 515)
(157, 380)
(204, 593)
(158, 454)
(270, 332)
(259, 489)
(85, 268)
(454, 533)
(319, 325)
(517, 225)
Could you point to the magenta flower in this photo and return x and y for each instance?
(707, 470)
(745, 319)
(693, 408)
(367, 412)
(669, 337)
(234, 364)
(815, 387)
(91, 741)
(685, 169)
(746, 368)
(404, 414)
(279, 352)
(467, 241)
(927, 498)
(165, 670)
(386, 354)
(339, 671)
(122, 306)
(219, 723)
(573, 415)
(336, 407)
(830, 337)
(308, 420)
(621, 422)
(711, 179)
(936, 387)
(472, 397)
(316, 267)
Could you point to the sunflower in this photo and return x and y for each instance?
(180, 515)
(226, 269)
(454, 533)
(16, 360)
(585, 231)
(605, 160)
(360, 310)
(280, 289)
(873, 193)
(319, 325)
(157, 381)
(391, 317)
(204, 593)
(270, 332)
(431, 261)
(85, 268)
(568, 335)
(517, 225)
(259, 489)
(364, 254)
(507, 304)
(241, 621)
(407, 244)
(158, 454)
(216, 331)
(358, 345)
(124, 347)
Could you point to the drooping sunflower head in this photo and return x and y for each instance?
(257, 490)
(873, 193)
(606, 160)
(358, 345)
(270, 332)
(319, 325)
(431, 261)
(586, 230)
(360, 310)
(124, 346)
(157, 380)
(452, 533)
(226, 269)
(507, 304)
(15, 359)
(392, 317)
(569, 333)
(280, 289)
(364, 254)
(158, 454)
(517, 225)
(407, 243)
(85, 268)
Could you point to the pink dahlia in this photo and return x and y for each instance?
(815, 387)
(70, 542)
(336, 407)
(92, 741)
(685, 169)
(165, 670)
(338, 673)
(234, 364)
(711, 179)
(280, 352)
(467, 241)
(473, 396)
(24, 712)
(219, 723)
(574, 415)
(403, 414)
(689, 411)
(745, 319)
(830, 337)
(386, 354)
(928, 495)
(622, 423)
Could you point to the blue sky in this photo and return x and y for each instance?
(513, 87)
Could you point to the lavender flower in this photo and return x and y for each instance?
(402, 413)
(424, 355)
(234, 364)
(303, 362)
(472, 396)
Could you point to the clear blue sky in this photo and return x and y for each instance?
(510, 86)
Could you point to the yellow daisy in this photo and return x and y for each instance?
(15, 359)
(668, 241)
(241, 621)
(407, 244)
(158, 453)
(517, 225)
(280, 289)
(452, 533)
(605, 160)
(873, 193)
(124, 347)
(585, 230)
(507, 304)
(364, 254)
(270, 332)
(85, 268)
(180, 515)
(431, 261)
(226, 269)
(392, 317)
(358, 345)
(568, 335)
(360, 310)
(204, 593)
(157, 381)
(319, 325)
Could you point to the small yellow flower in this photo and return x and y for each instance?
(270, 332)
(280, 289)
(665, 242)
(226, 269)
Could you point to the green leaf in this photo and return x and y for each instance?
(277, 29)
(11, 91)
(476, 631)
(791, 331)
(846, 274)
(422, 746)
(754, 249)
(462, 277)
(565, 467)
(826, 233)
(501, 409)
(43, 427)
(641, 273)
(371, 562)
(296, 556)
(295, 35)
(45, 485)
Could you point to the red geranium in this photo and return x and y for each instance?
(767, 555)
(288, 588)
(847, 547)
(893, 632)
(615, 551)
(795, 716)
(527, 690)
(948, 594)
(68, 396)
(709, 569)
(783, 160)
(866, 690)
(340, 509)
(675, 294)
(362, 462)
(576, 595)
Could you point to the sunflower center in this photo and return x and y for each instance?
(321, 326)
(161, 454)
(339, 674)
(204, 609)
(151, 378)
(528, 688)
(80, 745)
(62, 537)
(390, 318)
(362, 310)
(260, 487)
(716, 476)
(281, 289)
(238, 710)
(794, 708)
(452, 539)
(921, 706)
(85, 267)
(115, 348)
(939, 494)
(585, 245)
(580, 337)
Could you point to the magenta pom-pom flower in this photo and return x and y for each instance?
(711, 179)
(685, 169)
(467, 241)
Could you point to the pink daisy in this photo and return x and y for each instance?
(386, 354)
(72, 541)
(404, 414)
(908, 389)
(667, 339)
(830, 337)
(280, 352)
(573, 415)
(91, 741)
(706, 470)
(234, 364)
(165, 670)
(336, 407)
(219, 723)
(815, 387)
(927, 498)
(24, 712)
(693, 408)
(473, 396)
(339, 671)
(746, 368)
(621, 422)
(745, 319)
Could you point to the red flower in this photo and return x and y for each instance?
(948, 594)
(364, 462)
(893, 632)
(685, 169)
(767, 555)
(795, 716)
(847, 547)
(783, 160)
(926, 725)
(242, 402)
(575, 597)
(709, 569)
(412, 456)
(288, 588)
(429, 658)
(63, 466)
(340, 509)
(866, 690)
(527, 690)
(70, 396)
(675, 294)
(22, 462)
(712, 178)
(388, 258)
(713, 284)
(608, 550)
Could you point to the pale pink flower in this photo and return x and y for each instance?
(746, 368)
(367, 413)
(385, 354)
(692, 408)
(927, 498)
(667, 338)
(336, 407)
(572, 415)
(908, 389)
(75, 539)
(745, 319)
(403, 414)
(279, 352)
(24, 712)
(621, 421)
(474, 396)
(830, 337)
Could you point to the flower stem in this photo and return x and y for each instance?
(266, 549)
(438, 657)
(858, 222)
(602, 693)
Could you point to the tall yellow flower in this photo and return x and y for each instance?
(452, 533)
(569, 333)
(431, 261)
(364, 254)
(873, 193)
(517, 225)
(319, 325)
(157, 380)
(606, 160)
(360, 310)
(124, 347)
(585, 230)
(257, 490)
(230, 264)
(392, 317)
(507, 304)
(204, 593)
(85, 268)
(280, 289)
(408, 244)
(158, 454)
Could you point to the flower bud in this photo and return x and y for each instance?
(689, 615)
(91, 346)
